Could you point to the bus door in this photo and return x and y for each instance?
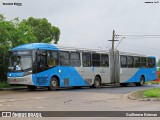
(75, 69)
(114, 66)
(104, 69)
(128, 69)
(40, 66)
(64, 67)
(87, 70)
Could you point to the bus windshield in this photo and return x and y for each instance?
(20, 62)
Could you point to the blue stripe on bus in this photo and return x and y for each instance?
(75, 79)
(70, 73)
(16, 74)
(149, 75)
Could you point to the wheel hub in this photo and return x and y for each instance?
(54, 84)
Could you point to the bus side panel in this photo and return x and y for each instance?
(68, 76)
(43, 78)
(85, 77)
(149, 74)
(79, 78)
(127, 73)
(104, 73)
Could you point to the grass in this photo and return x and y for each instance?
(153, 82)
(4, 85)
(155, 92)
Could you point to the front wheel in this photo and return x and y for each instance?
(32, 88)
(53, 84)
(141, 82)
(123, 84)
(97, 82)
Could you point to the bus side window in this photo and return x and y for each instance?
(153, 62)
(137, 62)
(143, 62)
(86, 59)
(35, 57)
(130, 61)
(64, 58)
(149, 63)
(95, 59)
(123, 60)
(75, 59)
(43, 60)
(104, 60)
(52, 58)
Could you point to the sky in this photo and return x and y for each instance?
(90, 23)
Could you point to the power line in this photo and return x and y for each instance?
(139, 48)
(119, 42)
(138, 35)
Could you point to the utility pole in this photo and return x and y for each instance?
(113, 57)
(113, 35)
(113, 39)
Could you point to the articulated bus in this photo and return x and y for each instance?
(48, 65)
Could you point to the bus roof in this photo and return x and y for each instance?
(134, 54)
(34, 46)
(46, 46)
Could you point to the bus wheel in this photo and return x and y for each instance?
(97, 82)
(123, 84)
(32, 88)
(141, 83)
(53, 84)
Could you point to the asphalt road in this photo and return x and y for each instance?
(112, 89)
(85, 99)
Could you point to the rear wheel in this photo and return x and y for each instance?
(141, 82)
(97, 82)
(32, 87)
(53, 84)
(77, 87)
(123, 84)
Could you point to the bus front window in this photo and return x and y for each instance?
(20, 63)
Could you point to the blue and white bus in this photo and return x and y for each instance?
(52, 66)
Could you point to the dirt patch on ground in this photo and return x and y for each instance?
(137, 95)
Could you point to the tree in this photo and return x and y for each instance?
(22, 33)
(15, 32)
(6, 27)
(43, 30)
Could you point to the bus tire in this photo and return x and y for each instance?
(97, 82)
(123, 84)
(53, 84)
(77, 87)
(141, 83)
(31, 87)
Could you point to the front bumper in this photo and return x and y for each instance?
(25, 80)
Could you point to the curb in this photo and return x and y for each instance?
(130, 96)
(152, 83)
(15, 88)
(5, 89)
(143, 99)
